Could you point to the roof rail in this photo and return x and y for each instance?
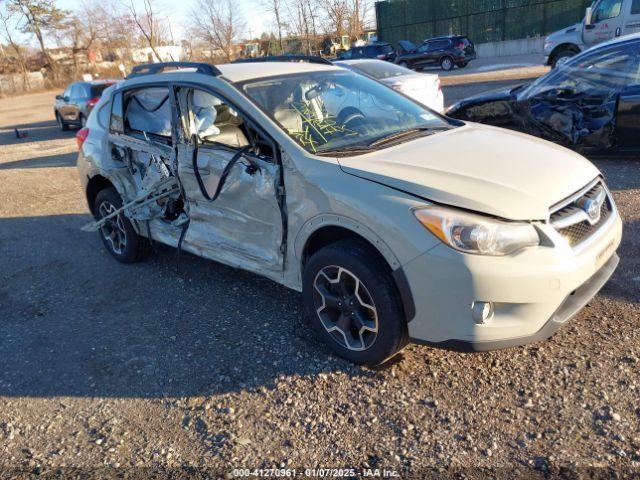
(152, 68)
(286, 58)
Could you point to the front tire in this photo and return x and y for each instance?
(562, 57)
(61, 123)
(353, 304)
(118, 235)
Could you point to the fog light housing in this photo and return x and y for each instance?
(482, 312)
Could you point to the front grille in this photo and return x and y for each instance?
(582, 229)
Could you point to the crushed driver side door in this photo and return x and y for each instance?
(232, 184)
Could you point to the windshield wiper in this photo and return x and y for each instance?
(345, 151)
(404, 133)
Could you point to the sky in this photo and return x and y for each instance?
(179, 12)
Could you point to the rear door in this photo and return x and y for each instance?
(437, 49)
(232, 183)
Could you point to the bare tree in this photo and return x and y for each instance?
(276, 8)
(300, 21)
(116, 32)
(7, 25)
(358, 11)
(217, 24)
(149, 25)
(40, 16)
(82, 30)
(337, 14)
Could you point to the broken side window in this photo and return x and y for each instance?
(148, 112)
(214, 120)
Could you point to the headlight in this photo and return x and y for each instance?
(476, 234)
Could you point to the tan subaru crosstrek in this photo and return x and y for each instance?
(394, 222)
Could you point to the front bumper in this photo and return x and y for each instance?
(572, 305)
(533, 292)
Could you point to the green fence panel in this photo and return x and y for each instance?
(482, 20)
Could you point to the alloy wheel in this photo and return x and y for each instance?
(447, 64)
(562, 60)
(113, 230)
(345, 308)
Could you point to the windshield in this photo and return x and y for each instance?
(379, 69)
(603, 69)
(335, 110)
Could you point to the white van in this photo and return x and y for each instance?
(604, 20)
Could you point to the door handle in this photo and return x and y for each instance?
(618, 31)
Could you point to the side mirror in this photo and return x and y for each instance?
(588, 17)
(59, 97)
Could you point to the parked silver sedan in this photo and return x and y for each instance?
(423, 87)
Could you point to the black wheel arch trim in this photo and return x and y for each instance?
(406, 296)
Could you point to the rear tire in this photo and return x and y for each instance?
(118, 235)
(353, 304)
(61, 123)
(446, 63)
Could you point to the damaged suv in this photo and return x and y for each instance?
(394, 222)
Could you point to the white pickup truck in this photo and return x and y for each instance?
(604, 20)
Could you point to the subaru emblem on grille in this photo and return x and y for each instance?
(593, 205)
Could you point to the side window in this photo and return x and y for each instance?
(76, 92)
(607, 9)
(424, 48)
(148, 111)
(67, 92)
(635, 7)
(116, 123)
(81, 92)
(215, 121)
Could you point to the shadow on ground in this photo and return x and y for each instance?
(77, 323)
(35, 132)
(61, 160)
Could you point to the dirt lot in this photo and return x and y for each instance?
(109, 369)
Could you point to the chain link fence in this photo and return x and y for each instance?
(482, 20)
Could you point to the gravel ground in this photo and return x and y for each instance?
(107, 369)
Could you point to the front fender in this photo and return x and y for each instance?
(332, 220)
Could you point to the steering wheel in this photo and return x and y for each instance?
(349, 115)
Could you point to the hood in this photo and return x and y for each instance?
(495, 96)
(485, 169)
(416, 78)
(406, 46)
(561, 33)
